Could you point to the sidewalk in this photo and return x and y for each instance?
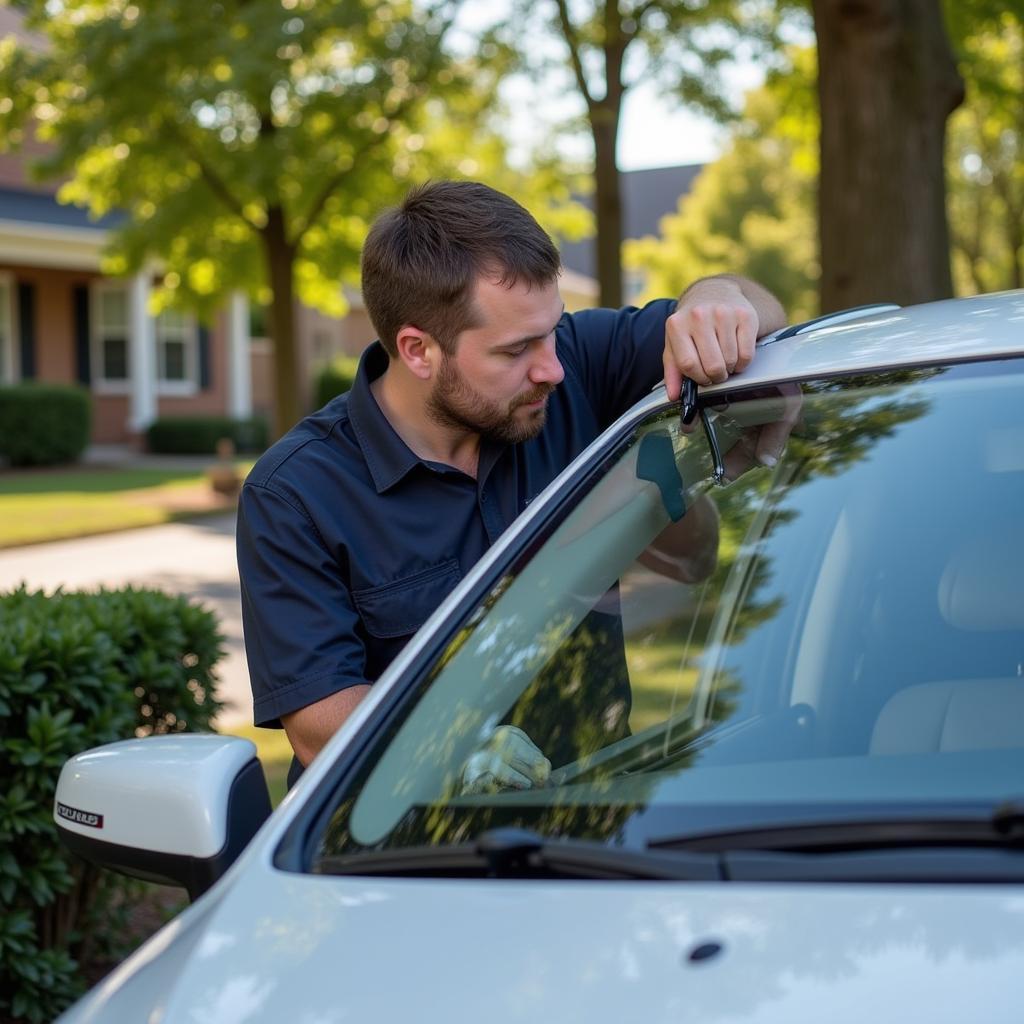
(195, 558)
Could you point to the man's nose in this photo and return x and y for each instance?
(547, 369)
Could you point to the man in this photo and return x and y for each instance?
(360, 521)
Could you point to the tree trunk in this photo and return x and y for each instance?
(604, 123)
(887, 82)
(280, 256)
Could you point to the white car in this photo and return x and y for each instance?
(775, 656)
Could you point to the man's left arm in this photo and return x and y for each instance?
(714, 328)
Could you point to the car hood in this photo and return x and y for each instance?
(275, 947)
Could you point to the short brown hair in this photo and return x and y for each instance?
(422, 259)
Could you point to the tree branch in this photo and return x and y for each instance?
(615, 43)
(569, 33)
(640, 13)
(217, 185)
(333, 182)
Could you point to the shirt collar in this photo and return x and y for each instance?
(388, 457)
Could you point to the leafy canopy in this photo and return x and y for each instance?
(750, 212)
(202, 121)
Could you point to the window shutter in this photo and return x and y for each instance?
(204, 358)
(27, 329)
(82, 355)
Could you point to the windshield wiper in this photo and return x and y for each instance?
(983, 847)
(1003, 827)
(520, 853)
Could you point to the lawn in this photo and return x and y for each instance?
(43, 505)
(274, 753)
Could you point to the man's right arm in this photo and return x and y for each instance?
(306, 661)
(309, 728)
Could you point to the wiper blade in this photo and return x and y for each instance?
(520, 853)
(1002, 828)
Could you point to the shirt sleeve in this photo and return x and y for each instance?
(299, 622)
(616, 354)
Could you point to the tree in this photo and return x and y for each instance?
(986, 166)
(613, 44)
(887, 84)
(249, 141)
(751, 211)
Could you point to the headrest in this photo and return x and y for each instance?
(982, 587)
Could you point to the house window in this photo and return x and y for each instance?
(176, 353)
(7, 366)
(175, 337)
(111, 355)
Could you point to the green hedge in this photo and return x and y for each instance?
(44, 424)
(78, 670)
(334, 379)
(198, 435)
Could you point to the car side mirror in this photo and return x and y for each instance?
(171, 809)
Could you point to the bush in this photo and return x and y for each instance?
(78, 670)
(334, 379)
(44, 424)
(198, 435)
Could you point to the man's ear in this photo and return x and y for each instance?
(418, 351)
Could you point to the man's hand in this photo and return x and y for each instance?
(763, 445)
(714, 329)
(508, 760)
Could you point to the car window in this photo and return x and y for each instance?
(844, 626)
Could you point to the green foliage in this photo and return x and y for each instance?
(986, 160)
(334, 379)
(78, 670)
(198, 435)
(751, 212)
(44, 424)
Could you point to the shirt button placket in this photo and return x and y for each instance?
(491, 514)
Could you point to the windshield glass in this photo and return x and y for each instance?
(842, 628)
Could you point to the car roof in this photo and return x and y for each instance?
(889, 337)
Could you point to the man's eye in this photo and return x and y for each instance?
(514, 352)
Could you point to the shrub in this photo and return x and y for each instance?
(334, 379)
(78, 670)
(44, 424)
(198, 435)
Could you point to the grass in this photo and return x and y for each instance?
(58, 504)
(274, 753)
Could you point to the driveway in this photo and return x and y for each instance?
(196, 559)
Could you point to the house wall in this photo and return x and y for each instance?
(110, 420)
(54, 319)
(320, 339)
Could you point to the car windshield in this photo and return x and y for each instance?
(841, 629)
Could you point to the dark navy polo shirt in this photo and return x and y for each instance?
(347, 541)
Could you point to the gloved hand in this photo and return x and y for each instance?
(508, 760)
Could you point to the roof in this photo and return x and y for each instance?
(42, 208)
(647, 196)
(954, 330)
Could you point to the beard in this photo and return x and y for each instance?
(455, 403)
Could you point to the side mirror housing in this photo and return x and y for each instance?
(171, 809)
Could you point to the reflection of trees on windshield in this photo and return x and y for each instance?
(836, 433)
(841, 424)
(565, 684)
(579, 702)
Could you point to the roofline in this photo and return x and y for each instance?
(48, 245)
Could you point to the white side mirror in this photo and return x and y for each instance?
(170, 809)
